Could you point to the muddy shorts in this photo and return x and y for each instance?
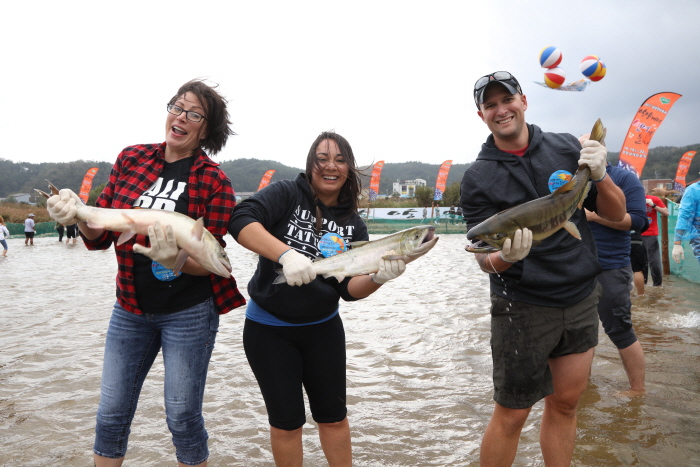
(523, 339)
(29, 234)
(638, 258)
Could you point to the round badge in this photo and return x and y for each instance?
(331, 244)
(162, 273)
(557, 179)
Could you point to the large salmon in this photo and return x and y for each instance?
(364, 257)
(191, 236)
(543, 216)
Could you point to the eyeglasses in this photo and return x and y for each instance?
(495, 76)
(189, 114)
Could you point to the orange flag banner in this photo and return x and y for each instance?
(682, 171)
(442, 179)
(265, 180)
(650, 115)
(374, 181)
(86, 186)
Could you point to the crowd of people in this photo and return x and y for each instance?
(544, 324)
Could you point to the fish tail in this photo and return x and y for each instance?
(45, 195)
(280, 277)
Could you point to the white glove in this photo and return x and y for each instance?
(514, 251)
(595, 156)
(649, 202)
(389, 269)
(677, 254)
(63, 207)
(298, 268)
(163, 248)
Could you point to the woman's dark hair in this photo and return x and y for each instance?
(218, 129)
(351, 189)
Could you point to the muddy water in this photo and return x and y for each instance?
(419, 384)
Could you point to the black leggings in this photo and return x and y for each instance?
(283, 358)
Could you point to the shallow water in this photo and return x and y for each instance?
(419, 371)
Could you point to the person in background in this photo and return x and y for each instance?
(613, 242)
(650, 239)
(425, 214)
(60, 229)
(71, 233)
(293, 334)
(437, 213)
(29, 230)
(156, 307)
(688, 223)
(544, 318)
(4, 234)
(638, 260)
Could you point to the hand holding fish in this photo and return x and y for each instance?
(298, 268)
(389, 269)
(595, 156)
(163, 248)
(63, 207)
(517, 249)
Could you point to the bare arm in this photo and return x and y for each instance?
(610, 203)
(624, 224)
(258, 240)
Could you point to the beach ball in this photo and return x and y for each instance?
(554, 77)
(550, 57)
(590, 65)
(599, 74)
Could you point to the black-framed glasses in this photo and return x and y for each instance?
(189, 114)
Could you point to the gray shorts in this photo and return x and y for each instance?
(523, 339)
(615, 306)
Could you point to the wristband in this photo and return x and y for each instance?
(371, 277)
(278, 259)
(601, 178)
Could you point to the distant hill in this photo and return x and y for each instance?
(245, 174)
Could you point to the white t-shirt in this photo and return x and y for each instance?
(29, 225)
(4, 233)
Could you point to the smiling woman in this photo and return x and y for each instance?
(161, 301)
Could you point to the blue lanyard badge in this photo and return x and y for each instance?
(331, 244)
(162, 273)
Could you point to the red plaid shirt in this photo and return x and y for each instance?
(211, 196)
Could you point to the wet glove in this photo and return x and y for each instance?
(519, 248)
(63, 207)
(678, 254)
(163, 248)
(298, 269)
(595, 156)
(389, 269)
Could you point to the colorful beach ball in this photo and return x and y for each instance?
(590, 65)
(554, 77)
(600, 74)
(550, 57)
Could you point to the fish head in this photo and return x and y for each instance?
(417, 241)
(490, 235)
(214, 257)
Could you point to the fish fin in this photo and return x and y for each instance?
(571, 228)
(338, 277)
(198, 229)
(568, 186)
(180, 261)
(585, 194)
(358, 244)
(52, 187)
(123, 238)
(45, 195)
(280, 277)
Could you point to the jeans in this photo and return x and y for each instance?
(133, 341)
(651, 243)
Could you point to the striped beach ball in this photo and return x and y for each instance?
(550, 57)
(590, 65)
(600, 74)
(554, 77)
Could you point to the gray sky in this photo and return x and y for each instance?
(82, 80)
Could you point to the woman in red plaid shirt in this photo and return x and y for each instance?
(157, 308)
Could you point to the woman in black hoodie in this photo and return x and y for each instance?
(293, 334)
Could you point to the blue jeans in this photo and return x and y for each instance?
(133, 341)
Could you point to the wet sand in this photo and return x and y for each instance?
(419, 371)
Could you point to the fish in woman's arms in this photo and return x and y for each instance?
(192, 238)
